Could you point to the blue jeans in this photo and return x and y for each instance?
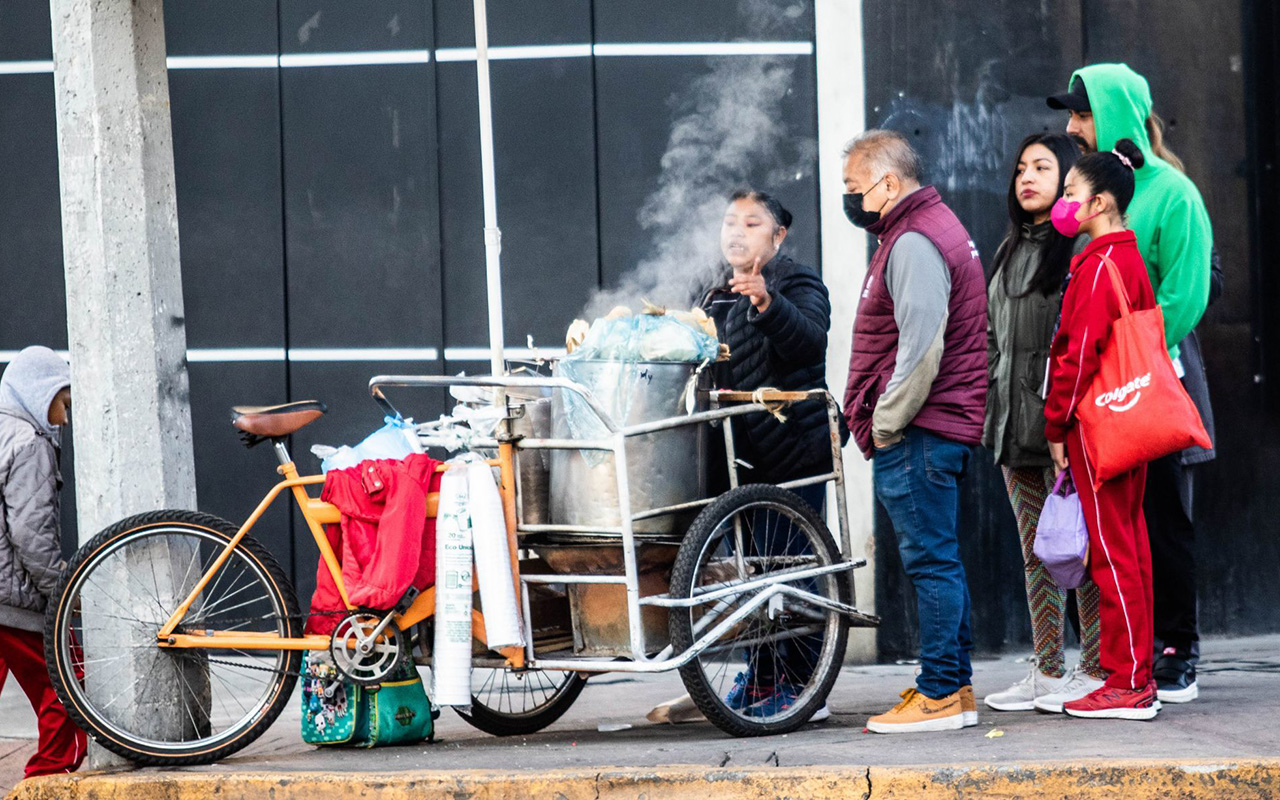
(917, 480)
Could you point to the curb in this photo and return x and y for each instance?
(1132, 780)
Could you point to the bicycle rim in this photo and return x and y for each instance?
(785, 642)
(203, 699)
(517, 694)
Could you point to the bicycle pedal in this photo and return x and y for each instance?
(406, 600)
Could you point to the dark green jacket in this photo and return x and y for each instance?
(1019, 332)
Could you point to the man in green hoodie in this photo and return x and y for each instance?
(1109, 102)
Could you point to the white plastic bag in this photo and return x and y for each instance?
(397, 438)
(493, 559)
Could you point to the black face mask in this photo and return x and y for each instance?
(859, 216)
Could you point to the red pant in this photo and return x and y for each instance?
(62, 744)
(1120, 564)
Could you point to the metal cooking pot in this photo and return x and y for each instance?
(663, 468)
(533, 466)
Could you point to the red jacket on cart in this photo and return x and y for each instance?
(384, 542)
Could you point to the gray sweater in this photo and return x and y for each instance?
(920, 284)
(30, 541)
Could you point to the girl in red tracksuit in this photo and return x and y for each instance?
(1097, 192)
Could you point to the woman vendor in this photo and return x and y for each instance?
(774, 314)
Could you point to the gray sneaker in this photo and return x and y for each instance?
(1075, 685)
(1022, 695)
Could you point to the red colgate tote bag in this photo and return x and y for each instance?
(1136, 409)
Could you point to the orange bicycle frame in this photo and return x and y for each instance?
(318, 513)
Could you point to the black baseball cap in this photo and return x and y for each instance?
(1075, 100)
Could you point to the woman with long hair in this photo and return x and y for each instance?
(1023, 300)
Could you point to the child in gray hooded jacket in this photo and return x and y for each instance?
(35, 398)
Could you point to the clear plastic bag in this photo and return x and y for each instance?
(625, 342)
(646, 337)
(397, 438)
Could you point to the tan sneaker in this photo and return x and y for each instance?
(968, 705)
(918, 713)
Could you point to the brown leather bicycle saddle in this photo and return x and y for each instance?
(258, 423)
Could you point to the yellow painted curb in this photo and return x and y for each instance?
(1129, 780)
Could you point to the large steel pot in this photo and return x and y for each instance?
(663, 469)
(533, 466)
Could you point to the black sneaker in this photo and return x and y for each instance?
(1175, 677)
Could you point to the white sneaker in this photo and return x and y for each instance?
(1021, 696)
(821, 715)
(1075, 685)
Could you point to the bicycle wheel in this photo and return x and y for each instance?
(506, 703)
(772, 670)
(161, 706)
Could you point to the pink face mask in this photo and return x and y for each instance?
(1063, 216)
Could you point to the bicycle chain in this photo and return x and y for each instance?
(300, 617)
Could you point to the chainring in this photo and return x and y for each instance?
(362, 659)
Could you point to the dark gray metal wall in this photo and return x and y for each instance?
(339, 207)
(967, 82)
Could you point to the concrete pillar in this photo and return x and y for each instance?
(842, 115)
(125, 323)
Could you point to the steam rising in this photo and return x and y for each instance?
(729, 129)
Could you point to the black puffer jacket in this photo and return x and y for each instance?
(783, 348)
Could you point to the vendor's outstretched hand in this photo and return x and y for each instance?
(752, 285)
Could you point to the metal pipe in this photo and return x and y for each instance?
(777, 578)
(710, 587)
(565, 444)
(495, 381)
(731, 456)
(810, 481)
(554, 528)
(658, 512)
(704, 643)
(554, 579)
(282, 452)
(664, 665)
(628, 548)
(861, 619)
(842, 499)
(492, 234)
(712, 614)
(527, 610)
(642, 428)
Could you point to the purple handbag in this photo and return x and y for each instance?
(1062, 540)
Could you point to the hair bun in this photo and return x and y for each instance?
(1131, 152)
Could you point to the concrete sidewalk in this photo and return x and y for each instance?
(1225, 744)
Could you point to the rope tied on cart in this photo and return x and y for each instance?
(774, 407)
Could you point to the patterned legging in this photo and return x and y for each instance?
(1028, 487)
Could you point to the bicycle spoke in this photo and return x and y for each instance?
(787, 648)
(223, 691)
(215, 607)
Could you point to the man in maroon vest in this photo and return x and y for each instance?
(915, 402)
